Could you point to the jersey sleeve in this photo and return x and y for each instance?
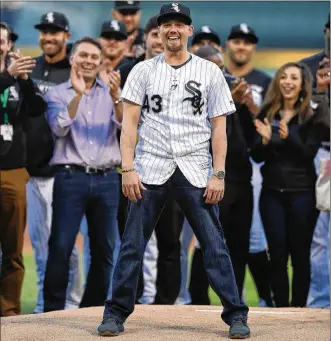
(135, 86)
(219, 98)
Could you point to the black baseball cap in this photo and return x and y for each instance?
(54, 20)
(206, 32)
(13, 36)
(113, 29)
(151, 24)
(174, 9)
(127, 5)
(243, 31)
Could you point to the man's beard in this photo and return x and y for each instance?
(175, 49)
(112, 56)
(58, 48)
(239, 63)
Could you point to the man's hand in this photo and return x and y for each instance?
(77, 80)
(130, 50)
(264, 129)
(104, 70)
(283, 129)
(239, 90)
(131, 186)
(247, 99)
(323, 75)
(114, 82)
(214, 191)
(20, 66)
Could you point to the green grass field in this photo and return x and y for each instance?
(29, 293)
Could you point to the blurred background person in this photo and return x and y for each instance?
(319, 292)
(19, 98)
(129, 13)
(289, 137)
(86, 181)
(52, 68)
(248, 95)
(205, 36)
(113, 40)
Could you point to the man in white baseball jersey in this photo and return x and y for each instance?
(178, 102)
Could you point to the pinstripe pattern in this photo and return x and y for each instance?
(174, 128)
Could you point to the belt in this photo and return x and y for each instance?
(87, 169)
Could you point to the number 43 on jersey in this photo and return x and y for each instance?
(154, 104)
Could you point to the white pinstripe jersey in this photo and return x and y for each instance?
(174, 128)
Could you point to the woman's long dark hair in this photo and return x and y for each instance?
(274, 100)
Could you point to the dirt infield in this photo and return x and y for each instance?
(169, 323)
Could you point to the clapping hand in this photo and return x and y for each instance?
(239, 89)
(104, 70)
(264, 129)
(77, 80)
(114, 81)
(20, 66)
(247, 99)
(131, 49)
(283, 129)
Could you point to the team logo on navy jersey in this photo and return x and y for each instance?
(196, 100)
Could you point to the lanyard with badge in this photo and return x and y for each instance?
(6, 129)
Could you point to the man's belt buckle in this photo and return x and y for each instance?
(91, 170)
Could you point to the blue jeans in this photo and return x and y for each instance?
(319, 292)
(39, 215)
(258, 241)
(76, 193)
(87, 253)
(203, 218)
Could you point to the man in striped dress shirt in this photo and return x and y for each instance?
(177, 102)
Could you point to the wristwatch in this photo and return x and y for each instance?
(219, 174)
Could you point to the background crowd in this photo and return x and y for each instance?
(60, 167)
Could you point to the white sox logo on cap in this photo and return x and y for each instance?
(50, 17)
(244, 28)
(175, 7)
(114, 24)
(205, 29)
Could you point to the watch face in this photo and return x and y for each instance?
(220, 174)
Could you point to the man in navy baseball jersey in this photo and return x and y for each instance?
(180, 103)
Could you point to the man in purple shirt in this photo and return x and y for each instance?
(83, 114)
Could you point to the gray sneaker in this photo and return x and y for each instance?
(110, 327)
(239, 329)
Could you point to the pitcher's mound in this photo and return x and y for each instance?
(175, 323)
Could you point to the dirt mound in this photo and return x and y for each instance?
(169, 323)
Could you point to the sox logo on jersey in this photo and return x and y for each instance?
(174, 128)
